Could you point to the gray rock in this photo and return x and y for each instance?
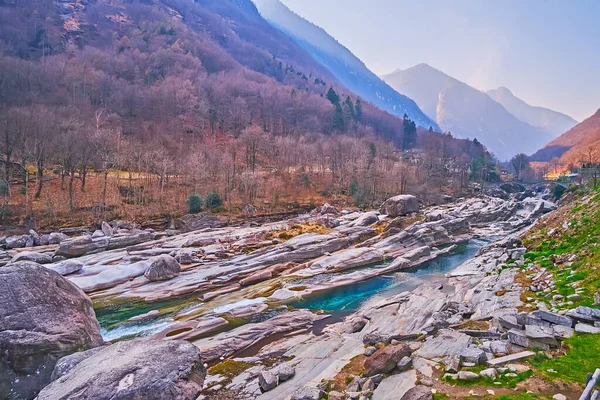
(44, 240)
(306, 393)
(589, 312)
(453, 363)
(162, 268)
(81, 246)
(369, 385)
(370, 350)
(499, 347)
(562, 332)
(267, 380)
(519, 337)
(400, 205)
(97, 234)
(473, 355)
(559, 396)
(40, 258)
(418, 392)
(466, 375)
(553, 318)
(510, 358)
(135, 369)
(35, 237)
(57, 237)
(404, 364)
(541, 334)
(372, 338)
(285, 372)
(67, 363)
(585, 328)
(353, 387)
(43, 318)
(489, 373)
(107, 229)
(65, 267)
(118, 242)
(355, 324)
(509, 322)
(18, 241)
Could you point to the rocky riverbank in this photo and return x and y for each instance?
(226, 289)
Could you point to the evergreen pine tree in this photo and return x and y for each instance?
(409, 139)
(333, 97)
(338, 118)
(350, 106)
(358, 109)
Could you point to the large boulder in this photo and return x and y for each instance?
(18, 241)
(133, 370)
(43, 317)
(162, 268)
(400, 205)
(40, 258)
(384, 360)
(81, 245)
(418, 392)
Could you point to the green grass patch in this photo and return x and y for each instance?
(582, 358)
(440, 396)
(520, 396)
(229, 368)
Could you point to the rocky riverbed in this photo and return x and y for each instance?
(241, 296)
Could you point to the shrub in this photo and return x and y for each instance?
(213, 200)
(3, 187)
(558, 191)
(194, 203)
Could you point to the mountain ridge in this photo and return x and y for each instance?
(574, 146)
(466, 111)
(551, 121)
(341, 62)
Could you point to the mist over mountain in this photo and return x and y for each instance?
(466, 111)
(340, 61)
(551, 121)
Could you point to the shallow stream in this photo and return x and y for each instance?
(338, 301)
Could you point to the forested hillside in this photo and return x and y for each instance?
(128, 107)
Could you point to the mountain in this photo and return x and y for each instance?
(161, 67)
(466, 111)
(551, 121)
(344, 65)
(575, 145)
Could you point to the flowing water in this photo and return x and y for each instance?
(115, 324)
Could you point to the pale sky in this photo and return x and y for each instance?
(547, 52)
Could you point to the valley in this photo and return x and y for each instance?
(235, 200)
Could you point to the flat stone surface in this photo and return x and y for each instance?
(510, 358)
(395, 386)
(553, 318)
(446, 343)
(585, 328)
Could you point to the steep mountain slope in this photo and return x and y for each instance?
(576, 145)
(466, 111)
(167, 66)
(346, 67)
(551, 121)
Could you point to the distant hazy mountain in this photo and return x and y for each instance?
(467, 112)
(575, 145)
(344, 65)
(551, 121)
